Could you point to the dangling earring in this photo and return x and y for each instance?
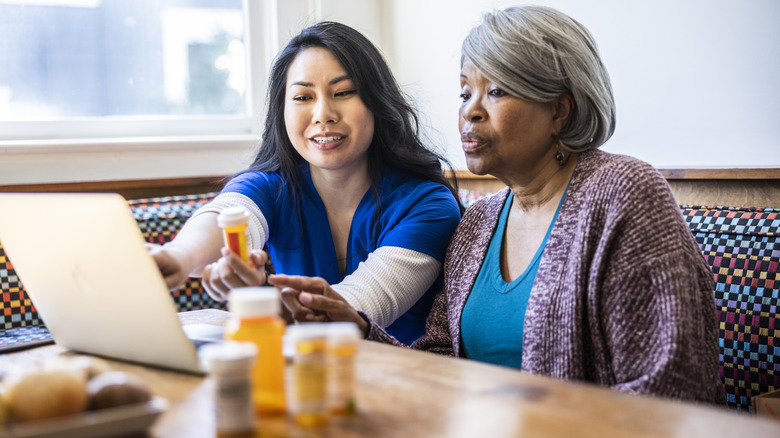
(559, 157)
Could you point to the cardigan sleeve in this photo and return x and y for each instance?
(655, 300)
(659, 320)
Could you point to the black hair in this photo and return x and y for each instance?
(396, 142)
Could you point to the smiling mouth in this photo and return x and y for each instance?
(329, 139)
(327, 142)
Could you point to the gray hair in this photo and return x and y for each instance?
(537, 53)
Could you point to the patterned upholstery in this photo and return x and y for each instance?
(742, 246)
(17, 309)
(159, 220)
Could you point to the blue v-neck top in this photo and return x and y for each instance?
(408, 213)
(494, 314)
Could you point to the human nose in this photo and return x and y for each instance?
(325, 112)
(472, 110)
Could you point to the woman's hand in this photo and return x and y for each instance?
(311, 299)
(171, 263)
(230, 272)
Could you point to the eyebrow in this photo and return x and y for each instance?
(332, 81)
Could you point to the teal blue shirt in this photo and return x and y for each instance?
(493, 317)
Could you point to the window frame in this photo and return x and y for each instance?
(68, 150)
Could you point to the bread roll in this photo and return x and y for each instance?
(46, 394)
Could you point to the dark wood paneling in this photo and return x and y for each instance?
(718, 174)
(478, 183)
(727, 192)
(730, 187)
(726, 187)
(130, 189)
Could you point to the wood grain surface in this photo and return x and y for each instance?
(405, 393)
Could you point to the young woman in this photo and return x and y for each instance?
(342, 188)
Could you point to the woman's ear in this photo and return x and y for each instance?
(563, 106)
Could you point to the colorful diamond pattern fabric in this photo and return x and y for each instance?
(742, 246)
(16, 308)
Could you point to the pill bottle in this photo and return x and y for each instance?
(234, 222)
(308, 386)
(255, 318)
(230, 364)
(342, 345)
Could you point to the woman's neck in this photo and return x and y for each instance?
(545, 187)
(341, 189)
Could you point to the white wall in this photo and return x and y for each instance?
(696, 81)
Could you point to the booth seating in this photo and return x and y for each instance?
(742, 246)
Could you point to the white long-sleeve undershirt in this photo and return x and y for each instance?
(389, 282)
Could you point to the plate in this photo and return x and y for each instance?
(122, 420)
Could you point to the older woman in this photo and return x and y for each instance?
(583, 268)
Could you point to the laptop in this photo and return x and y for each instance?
(85, 265)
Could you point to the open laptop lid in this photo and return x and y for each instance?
(84, 264)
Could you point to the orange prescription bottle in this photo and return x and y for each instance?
(342, 346)
(255, 318)
(309, 383)
(234, 222)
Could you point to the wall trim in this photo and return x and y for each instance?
(738, 187)
(725, 173)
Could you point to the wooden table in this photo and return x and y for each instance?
(405, 393)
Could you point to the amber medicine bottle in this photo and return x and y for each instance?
(255, 318)
(309, 383)
(234, 222)
(342, 345)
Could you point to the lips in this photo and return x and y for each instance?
(471, 141)
(327, 141)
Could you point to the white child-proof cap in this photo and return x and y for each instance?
(343, 333)
(228, 357)
(247, 302)
(306, 330)
(232, 216)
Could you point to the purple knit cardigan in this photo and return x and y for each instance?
(623, 297)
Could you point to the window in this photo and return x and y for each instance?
(118, 68)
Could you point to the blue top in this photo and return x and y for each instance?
(409, 213)
(494, 314)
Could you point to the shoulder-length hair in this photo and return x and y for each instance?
(396, 142)
(537, 53)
